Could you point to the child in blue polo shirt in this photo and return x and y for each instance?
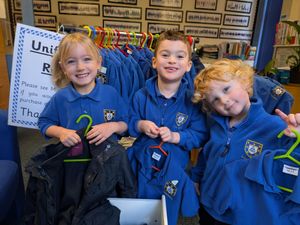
(164, 117)
(75, 66)
(240, 128)
(163, 108)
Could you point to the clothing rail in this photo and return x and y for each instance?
(91, 30)
(94, 31)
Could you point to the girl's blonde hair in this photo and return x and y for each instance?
(69, 42)
(222, 70)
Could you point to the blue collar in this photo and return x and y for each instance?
(96, 94)
(153, 91)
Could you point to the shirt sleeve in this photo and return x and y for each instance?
(135, 115)
(196, 134)
(49, 116)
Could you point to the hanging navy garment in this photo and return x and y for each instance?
(76, 193)
(272, 94)
(249, 193)
(159, 173)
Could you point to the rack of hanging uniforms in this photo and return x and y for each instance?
(126, 57)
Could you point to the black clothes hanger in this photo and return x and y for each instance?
(85, 132)
(287, 155)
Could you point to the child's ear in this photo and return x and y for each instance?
(154, 62)
(62, 67)
(189, 66)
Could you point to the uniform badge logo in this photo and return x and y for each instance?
(102, 78)
(278, 91)
(170, 188)
(181, 118)
(253, 148)
(109, 114)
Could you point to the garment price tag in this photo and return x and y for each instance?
(156, 156)
(103, 69)
(290, 170)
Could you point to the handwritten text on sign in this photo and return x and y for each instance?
(31, 84)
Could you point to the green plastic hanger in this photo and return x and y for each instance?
(85, 132)
(287, 155)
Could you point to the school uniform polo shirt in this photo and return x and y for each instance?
(178, 113)
(103, 104)
(248, 193)
(257, 132)
(121, 78)
(170, 180)
(272, 94)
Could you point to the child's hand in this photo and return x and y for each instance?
(69, 137)
(149, 128)
(167, 135)
(292, 120)
(100, 133)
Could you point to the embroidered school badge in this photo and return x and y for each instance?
(253, 148)
(278, 91)
(181, 118)
(102, 78)
(101, 75)
(109, 114)
(170, 188)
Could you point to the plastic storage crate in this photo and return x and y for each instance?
(141, 211)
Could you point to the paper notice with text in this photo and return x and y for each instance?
(31, 84)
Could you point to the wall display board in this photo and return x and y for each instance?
(75, 8)
(122, 12)
(235, 34)
(31, 86)
(167, 3)
(197, 31)
(164, 15)
(214, 21)
(236, 20)
(131, 2)
(39, 20)
(238, 6)
(159, 27)
(123, 25)
(38, 6)
(206, 4)
(203, 17)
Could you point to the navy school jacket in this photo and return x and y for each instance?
(61, 192)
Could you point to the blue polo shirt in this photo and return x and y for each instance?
(177, 113)
(272, 94)
(170, 180)
(249, 193)
(247, 139)
(103, 104)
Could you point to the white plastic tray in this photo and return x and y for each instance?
(141, 211)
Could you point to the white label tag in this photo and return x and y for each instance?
(103, 69)
(156, 156)
(290, 170)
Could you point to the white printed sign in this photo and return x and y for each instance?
(31, 85)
